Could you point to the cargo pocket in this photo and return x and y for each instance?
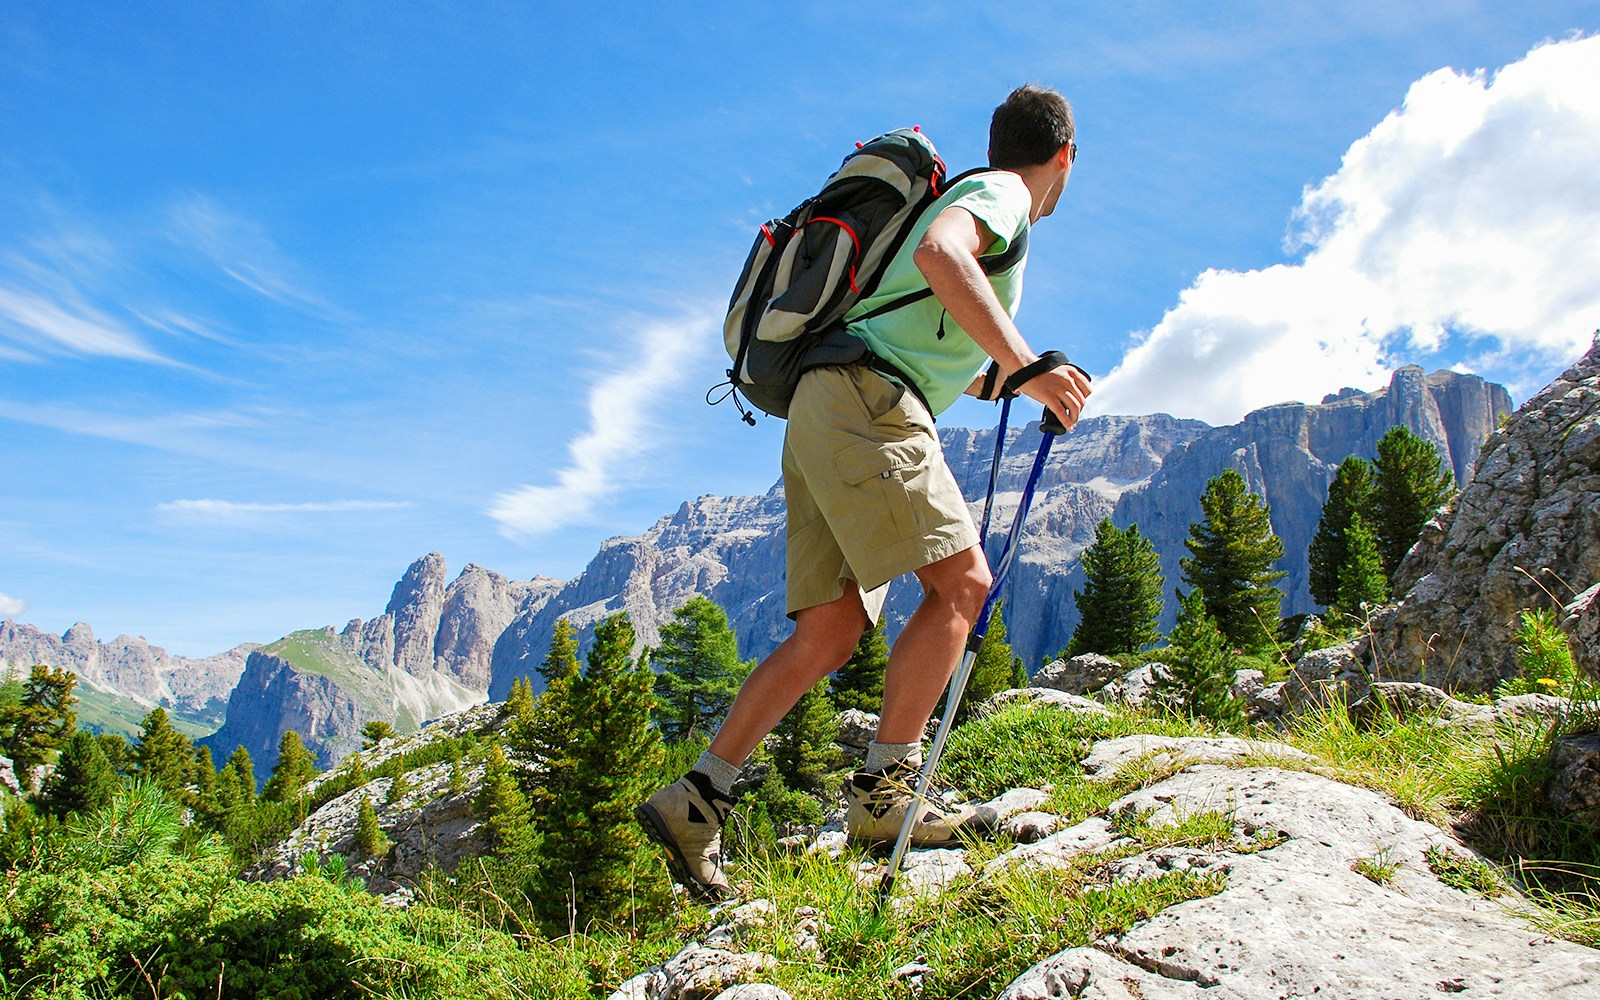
(881, 477)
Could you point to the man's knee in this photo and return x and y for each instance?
(961, 581)
(831, 631)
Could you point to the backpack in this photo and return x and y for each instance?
(807, 269)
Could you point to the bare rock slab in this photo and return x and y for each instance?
(1110, 756)
(1296, 920)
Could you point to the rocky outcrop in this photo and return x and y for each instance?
(1524, 534)
(1319, 888)
(129, 669)
(428, 821)
(1582, 625)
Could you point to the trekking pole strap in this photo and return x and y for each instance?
(1048, 361)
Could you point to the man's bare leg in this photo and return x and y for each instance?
(823, 639)
(930, 646)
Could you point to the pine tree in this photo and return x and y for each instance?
(118, 753)
(375, 732)
(543, 735)
(1231, 556)
(296, 766)
(519, 704)
(1349, 494)
(164, 755)
(204, 795)
(859, 683)
(802, 743)
(40, 719)
(83, 780)
(508, 819)
(1200, 683)
(1120, 603)
(561, 660)
(591, 843)
(1361, 576)
(699, 670)
(1409, 487)
(371, 842)
(242, 772)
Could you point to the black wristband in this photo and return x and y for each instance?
(990, 378)
(1022, 376)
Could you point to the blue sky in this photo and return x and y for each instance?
(291, 294)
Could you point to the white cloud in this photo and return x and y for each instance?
(242, 250)
(620, 430)
(35, 322)
(12, 607)
(230, 509)
(1463, 224)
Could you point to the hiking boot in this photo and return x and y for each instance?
(877, 801)
(686, 819)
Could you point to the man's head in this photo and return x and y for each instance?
(1032, 134)
(1029, 128)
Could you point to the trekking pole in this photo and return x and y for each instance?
(1049, 427)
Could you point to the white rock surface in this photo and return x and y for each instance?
(1296, 921)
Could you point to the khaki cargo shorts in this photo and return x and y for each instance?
(870, 496)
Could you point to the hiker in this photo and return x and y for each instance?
(870, 497)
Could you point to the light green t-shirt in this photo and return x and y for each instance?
(908, 337)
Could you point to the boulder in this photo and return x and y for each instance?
(1404, 698)
(1081, 674)
(1523, 529)
(856, 730)
(8, 778)
(698, 972)
(1582, 626)
(1042, 696)
(1574, 788)
(1322, 674)
(1267, 704)
(1135, 689)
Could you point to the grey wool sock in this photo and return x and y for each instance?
(721, 773)
(881, 755)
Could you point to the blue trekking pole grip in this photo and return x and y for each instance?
(1049, 426)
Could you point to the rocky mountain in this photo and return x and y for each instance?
(1524, 535)
(1148, 470)
(1288, 454)
(120, 681)
(428, 654)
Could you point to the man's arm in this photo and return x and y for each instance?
(947, 256)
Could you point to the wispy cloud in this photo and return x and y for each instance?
(232, 509)
(12, 607)
(1463, 222)
(34, 322)
(243, 251)
(620, 430)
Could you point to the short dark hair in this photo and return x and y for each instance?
(1029, 127)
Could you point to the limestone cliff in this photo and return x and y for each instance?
(428, 654)
(1524, 534)
(122, 680)
(1288, 454)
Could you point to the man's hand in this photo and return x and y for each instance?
(1064, 389)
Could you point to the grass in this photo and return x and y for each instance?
(467, 935)
(1380, 868)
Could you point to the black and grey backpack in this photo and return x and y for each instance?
(807, 269)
